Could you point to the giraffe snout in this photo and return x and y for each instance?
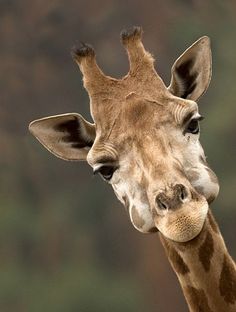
(172, 198)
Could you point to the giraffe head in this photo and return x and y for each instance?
(145, 137)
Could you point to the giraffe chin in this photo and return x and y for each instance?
(183, 225)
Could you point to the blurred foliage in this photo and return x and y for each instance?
(65, 242)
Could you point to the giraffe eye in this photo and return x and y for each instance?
(106, 172)
(193, 127)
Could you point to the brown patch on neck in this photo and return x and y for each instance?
(179, 266)
(197, 299)
(178, 263)
(227, 283)
(206, 251)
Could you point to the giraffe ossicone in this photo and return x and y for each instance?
(145, 137)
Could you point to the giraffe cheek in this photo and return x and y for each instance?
(209, 188)
(205, 182)
(210, 192)
(142, 219)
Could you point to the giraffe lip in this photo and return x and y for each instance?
(182, 225)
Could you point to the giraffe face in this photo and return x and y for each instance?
(154, 161)
(145, 137)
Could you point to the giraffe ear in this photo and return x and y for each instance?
(191, 72)
(68, 136)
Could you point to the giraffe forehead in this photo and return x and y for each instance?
(139, 124)
(155, 112)
(144, 113)
(138, 111)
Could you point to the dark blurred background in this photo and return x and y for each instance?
(66, 243)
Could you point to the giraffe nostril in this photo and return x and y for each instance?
(172, 198)
(181, 192)
(161, 202)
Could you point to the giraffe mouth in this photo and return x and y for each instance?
(184, 224)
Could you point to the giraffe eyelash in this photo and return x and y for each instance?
(193, 125)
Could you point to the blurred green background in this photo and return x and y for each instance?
(66, 243)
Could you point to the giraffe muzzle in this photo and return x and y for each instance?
(180, 212)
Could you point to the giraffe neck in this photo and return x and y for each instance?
(205, 270)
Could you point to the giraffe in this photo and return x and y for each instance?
(144, 142)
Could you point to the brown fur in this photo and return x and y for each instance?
(227, 283)
(206, 251)
(197, 299)
(176, 260)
